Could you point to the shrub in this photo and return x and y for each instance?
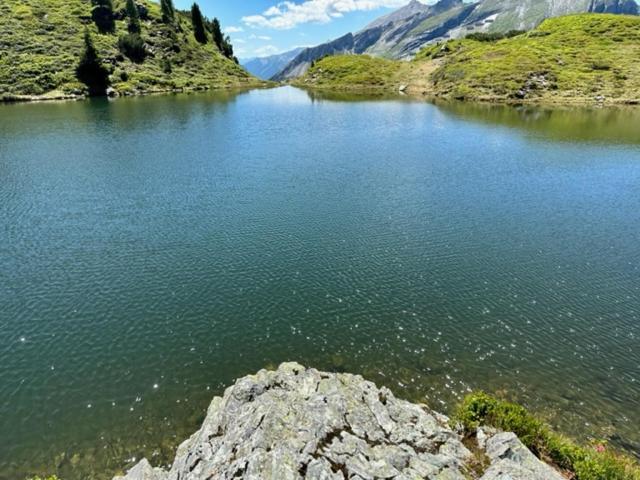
(132, 46)
(166, 66)
(134, 17)
(102, 16)
(493, 37)
(595, 462)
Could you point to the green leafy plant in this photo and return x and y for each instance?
(593, 462)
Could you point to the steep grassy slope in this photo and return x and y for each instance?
(574, 59)
(41, 42)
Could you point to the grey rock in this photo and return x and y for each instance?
(296, 423)
(511, 460)
(143, 471)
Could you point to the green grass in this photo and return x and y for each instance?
(595, 462)
(586, 58)
(351, 72)
(41, 42)
(573, 57)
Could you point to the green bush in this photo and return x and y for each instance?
(132, 46)
(595, 462)
(494, 36)
(102, 16)
(166, 66)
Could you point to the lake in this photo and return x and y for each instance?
(155, 249)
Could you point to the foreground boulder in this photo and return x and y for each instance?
(296, 423)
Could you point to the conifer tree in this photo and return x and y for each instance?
(227, 48)
(168, 11)
(102, 16)
(198, 24)
(90, 70)
(134, 16)
(216, 32)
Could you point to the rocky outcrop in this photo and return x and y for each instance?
(296, 423)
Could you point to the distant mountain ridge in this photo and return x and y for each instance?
(402, 33)
(267, 67)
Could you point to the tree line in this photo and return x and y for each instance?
(90, 69)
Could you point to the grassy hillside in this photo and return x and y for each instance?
(365, 73)
(583, 58)
(41, 42)
(573, 57)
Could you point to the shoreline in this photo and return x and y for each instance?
(56, 96)
(402, 91)
(409, 92)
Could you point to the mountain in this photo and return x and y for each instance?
(267, 67)
(41, 44)
(401, 34)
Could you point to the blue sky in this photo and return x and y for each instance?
(265, 27)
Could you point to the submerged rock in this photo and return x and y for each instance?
(296, 423)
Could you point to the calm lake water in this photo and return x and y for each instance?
(154, 249)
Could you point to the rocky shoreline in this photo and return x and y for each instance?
(112, 93)
(298, 422)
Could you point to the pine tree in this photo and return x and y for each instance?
(216, 32)
(168, 11)
(90, 70)
(134, 16)
(227, 48)
(198, 24)
(102, 16)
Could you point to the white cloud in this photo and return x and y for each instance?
(287, 14)
(233, 29)
(259, 37)
(266, 50)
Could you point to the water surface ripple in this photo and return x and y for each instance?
(154, 249)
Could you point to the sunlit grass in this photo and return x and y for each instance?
(41, 42)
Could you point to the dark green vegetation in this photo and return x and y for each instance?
(568, 58)
(144, 47)
(595, 462)
(103, 16)
(90, 70)
(197, 20)
(134, 17)
(573, 59)
(168, 11)
(493, 36)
